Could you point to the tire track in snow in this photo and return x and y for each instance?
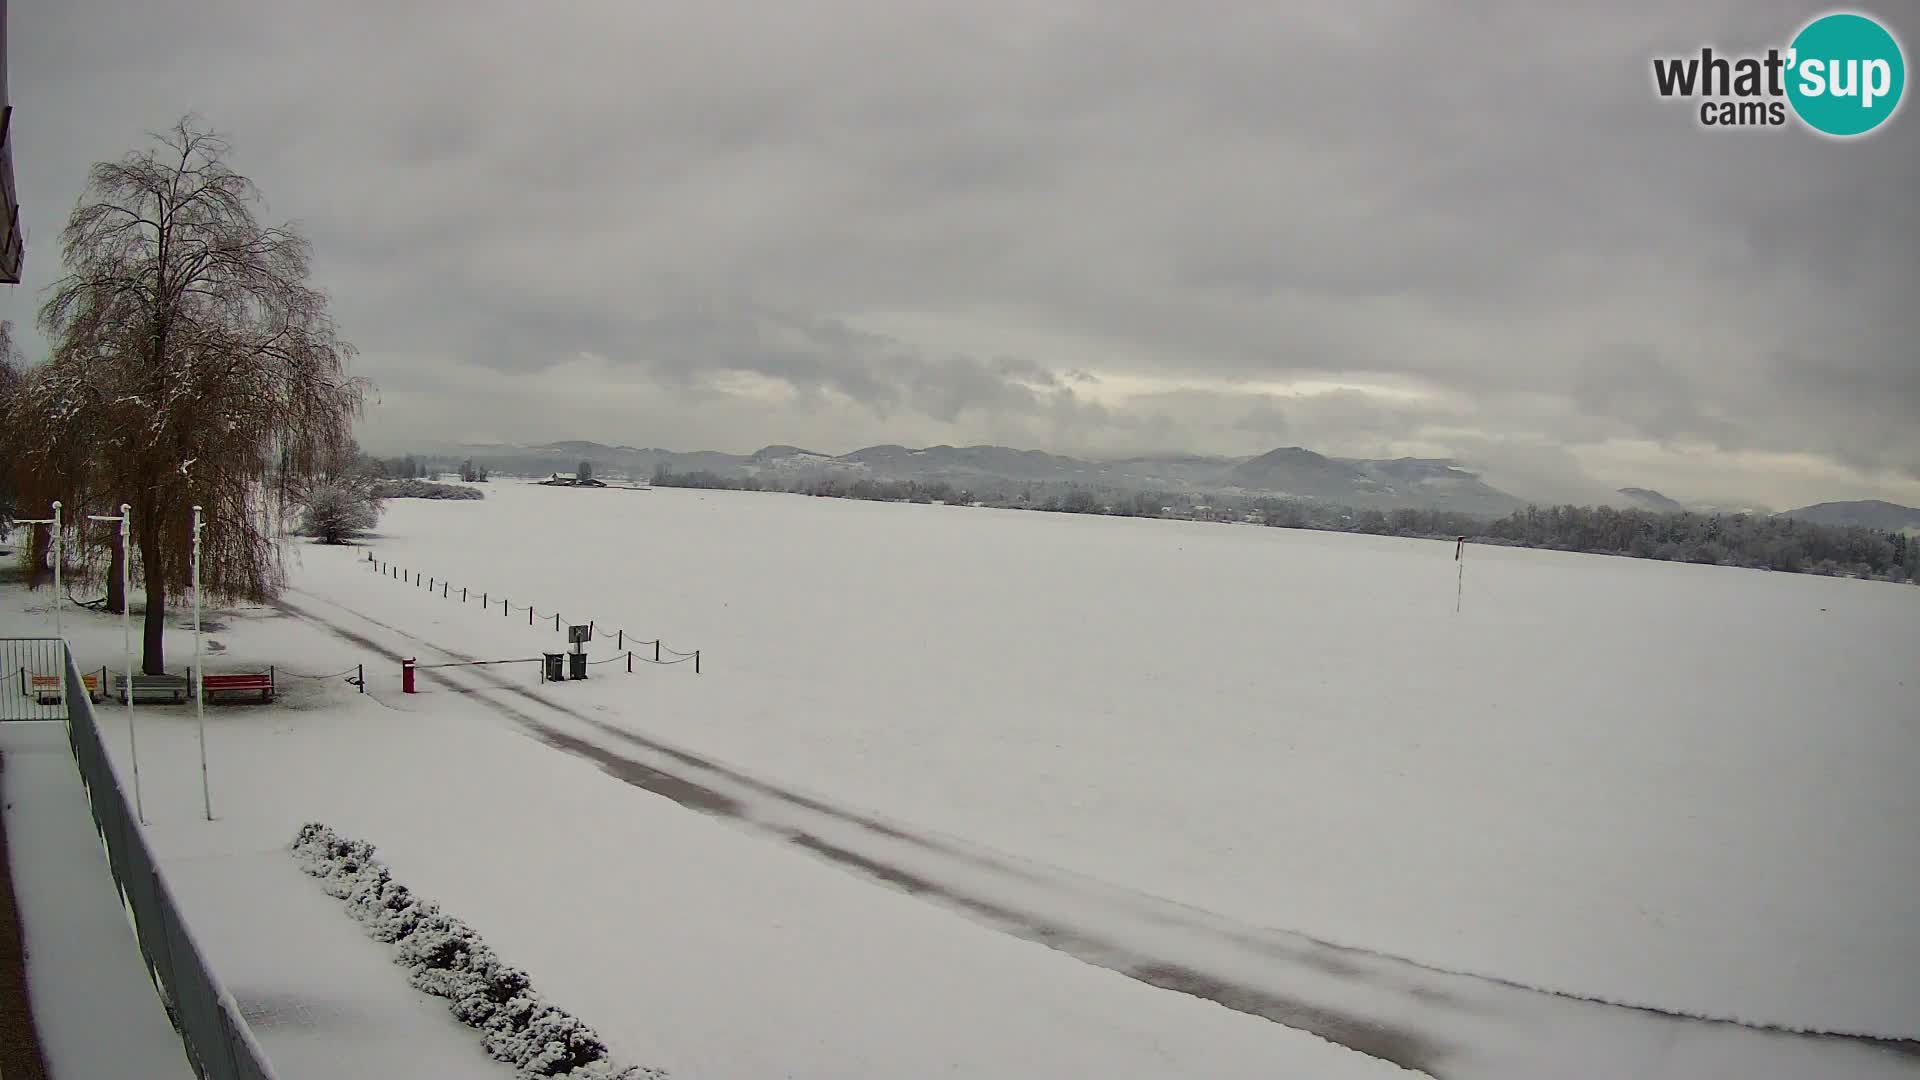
(1440, 1023)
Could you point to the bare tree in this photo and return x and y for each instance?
(10, 380)
(192, 364)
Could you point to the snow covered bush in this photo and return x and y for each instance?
(338, 510)
(446, 958)
(424, 489)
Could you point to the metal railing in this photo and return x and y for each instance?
(219, 1044)
(33, 683)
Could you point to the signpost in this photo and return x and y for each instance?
(578, 636)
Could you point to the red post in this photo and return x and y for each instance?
(406, 675)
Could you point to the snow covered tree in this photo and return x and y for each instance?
(339, 509)
(192, 364)
(10, 380)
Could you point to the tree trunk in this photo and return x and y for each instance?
(153, 657)
(116, 595)
(40, 568)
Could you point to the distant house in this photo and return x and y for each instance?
(570, 480)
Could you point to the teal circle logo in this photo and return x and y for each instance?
(1846, 74)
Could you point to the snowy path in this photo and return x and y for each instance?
(94, 1003)
(1442, 1024)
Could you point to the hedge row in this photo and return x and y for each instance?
(445, 958)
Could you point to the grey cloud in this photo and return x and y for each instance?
(1490, 205)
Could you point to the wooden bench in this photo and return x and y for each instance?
(52, 689)
(259, 682)
(171, 688)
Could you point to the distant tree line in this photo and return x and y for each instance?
(1746, 540)
(411, 467)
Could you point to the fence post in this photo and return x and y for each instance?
(656, 650)
(445, 589)
(363, 677)
(629, 661)
(463, 594)
(620, 642)
(556, 620)
(529, 614)
(696, 661)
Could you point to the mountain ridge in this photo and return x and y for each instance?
(1864, 513)
(1284, 472)
(986, 469)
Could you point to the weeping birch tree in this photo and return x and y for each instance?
(10, 379)
(192, 363)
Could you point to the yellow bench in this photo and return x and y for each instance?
(51, 689)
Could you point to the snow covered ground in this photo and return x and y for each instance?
(1192, 753)
(687, 944)
(93, 1003)
(1667, 785)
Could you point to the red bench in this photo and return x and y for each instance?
(256, 682)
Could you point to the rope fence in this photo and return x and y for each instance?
(354, 670)
(624, 642)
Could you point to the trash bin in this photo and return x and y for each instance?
(576, 665)
(553, 666)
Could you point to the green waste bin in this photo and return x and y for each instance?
(576, 665)
(554, 671)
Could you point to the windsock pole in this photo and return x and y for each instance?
(1460, 572)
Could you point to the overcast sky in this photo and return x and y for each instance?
(1370, 228)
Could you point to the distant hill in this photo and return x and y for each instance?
(1649, 499)
(1865, 513)
(1287, 472)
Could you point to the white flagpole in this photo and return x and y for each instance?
(58, 558)
(57, 553)
(125, 520)
(199, 684)
(126, 644)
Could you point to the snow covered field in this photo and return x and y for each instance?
(1667, 785)
(1681, 787)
